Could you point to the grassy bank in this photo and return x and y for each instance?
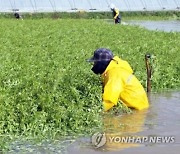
(46, 87)
(150, 15)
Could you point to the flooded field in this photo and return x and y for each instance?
(43, 95)
(167, 26)
(162, 119)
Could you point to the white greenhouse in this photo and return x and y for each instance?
(86, 5)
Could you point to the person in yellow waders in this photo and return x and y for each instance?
(119, 81)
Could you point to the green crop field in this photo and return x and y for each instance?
(47, 88)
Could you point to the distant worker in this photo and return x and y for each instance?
(116, 14)
(118, 81)
(17, 16)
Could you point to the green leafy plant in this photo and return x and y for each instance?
(46, 87)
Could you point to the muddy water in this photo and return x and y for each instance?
(167, 26)
(162, 119)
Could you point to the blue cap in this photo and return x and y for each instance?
(101, 54)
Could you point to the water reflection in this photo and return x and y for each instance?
(119, 127)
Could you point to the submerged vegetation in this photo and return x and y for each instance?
(46, 87)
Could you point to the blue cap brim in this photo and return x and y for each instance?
(90, 60)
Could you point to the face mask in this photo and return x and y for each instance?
(100, 67)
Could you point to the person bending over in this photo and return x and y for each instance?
(119, 82)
